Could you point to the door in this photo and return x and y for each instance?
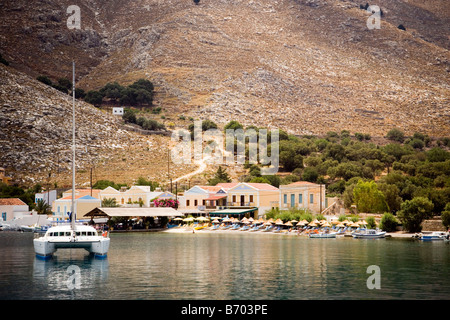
(292, 200)
(242, 200)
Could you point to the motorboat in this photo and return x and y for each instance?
(80, 237)
(323, 235)
(436, 235)
(368, 234)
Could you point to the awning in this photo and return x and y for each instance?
(215, 197)
(133, 212)
(233, 211)
(190, 211)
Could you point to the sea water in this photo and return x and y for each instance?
(238, 266)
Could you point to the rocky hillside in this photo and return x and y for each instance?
(306, 66)
(36, 138)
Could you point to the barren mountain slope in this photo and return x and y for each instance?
(36, 138)
(306, 66)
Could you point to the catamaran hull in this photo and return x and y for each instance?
(45, 248)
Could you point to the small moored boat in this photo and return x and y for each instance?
(436, 235)
(368, 234)
(323, 235)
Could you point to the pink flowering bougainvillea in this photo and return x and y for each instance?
(166, 203)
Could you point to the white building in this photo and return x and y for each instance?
(47, 197)
(117, 111)
(13, 208)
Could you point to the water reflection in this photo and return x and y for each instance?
(70, 274)
(227, 266)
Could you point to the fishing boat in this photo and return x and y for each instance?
(72, 236)
(368, 234)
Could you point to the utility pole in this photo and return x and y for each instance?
(91, 181)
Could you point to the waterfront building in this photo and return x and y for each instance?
(198, 198)
(83, 203)
(303, 195)
(255, 197)
(136, 196)
(12, 208)
(48, 197)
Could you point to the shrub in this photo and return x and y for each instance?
(396, 135)
(388, 222)
(371, 224)
(2, 60)
(45, 80)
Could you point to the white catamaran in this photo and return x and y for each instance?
(72, 236)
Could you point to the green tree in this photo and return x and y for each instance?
(395, 134)
(42, 207)
(368, 198)
(109, 203)
(221, 176)
(141, 181)
(93, 97)
(445, 216)
(414, 212)
(310, 174)
(392, 195)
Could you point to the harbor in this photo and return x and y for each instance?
(230, 265)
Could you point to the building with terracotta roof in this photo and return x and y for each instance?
(135, 196)
(257, 198)
(11, 208)
(303, 195)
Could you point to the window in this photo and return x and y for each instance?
(311, 198)
(251, 198)
(187, 203)
(300, 198)
(195, 203)
(234, 198)
(285, 199)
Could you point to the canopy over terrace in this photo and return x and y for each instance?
(232, 212)
(133, 212)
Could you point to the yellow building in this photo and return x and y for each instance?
(303, 195)
(83, 204)
(3, 178)
(261, 197)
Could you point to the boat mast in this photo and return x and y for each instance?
(73, 146)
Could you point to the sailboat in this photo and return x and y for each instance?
(72, 236)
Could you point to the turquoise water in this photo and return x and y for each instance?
(242, 266)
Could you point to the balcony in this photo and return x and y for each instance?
(241, 204)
